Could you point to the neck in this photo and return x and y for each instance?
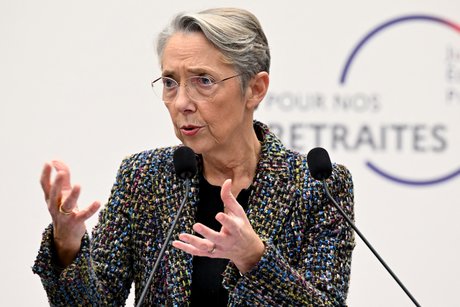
(238, 163)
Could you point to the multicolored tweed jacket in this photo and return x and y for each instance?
(306, 263)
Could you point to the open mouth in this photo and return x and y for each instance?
(190, 130)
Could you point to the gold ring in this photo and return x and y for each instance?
(63, 211)
(212, 250)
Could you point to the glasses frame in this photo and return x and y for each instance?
(187, 81)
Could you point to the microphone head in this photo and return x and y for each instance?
(319, 163)
(184, 160)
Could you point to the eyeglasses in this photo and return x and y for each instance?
(198, 88)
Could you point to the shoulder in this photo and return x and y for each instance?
(341, 183)
(152, 161)
(151, 156)
(340, 173)
(157, 154)
(298, 167)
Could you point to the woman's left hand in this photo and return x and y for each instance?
(236, 240)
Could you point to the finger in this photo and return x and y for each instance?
(89, 211)
(190, 249)
(71, 201)
(229, 225)
(197, 242)
(229, 200)
(206, 232)
(45, 180)
(64, 169)
(55, 194)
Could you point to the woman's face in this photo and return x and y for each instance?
(206, 125)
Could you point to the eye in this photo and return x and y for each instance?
(203, 81)
(169, 83)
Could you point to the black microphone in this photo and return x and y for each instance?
(320, 167)
(185, 165)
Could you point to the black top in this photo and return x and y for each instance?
(207, 289)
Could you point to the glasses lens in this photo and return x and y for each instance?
(165, 89)
(200, 87)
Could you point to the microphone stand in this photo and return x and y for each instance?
(350, 222)
(166, 243)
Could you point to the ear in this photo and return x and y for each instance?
(257, 89)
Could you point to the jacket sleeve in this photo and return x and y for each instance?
(101, 274)
(319, 276)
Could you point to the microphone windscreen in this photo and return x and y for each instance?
(319, 163)
(184, 160)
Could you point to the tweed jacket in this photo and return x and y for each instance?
(308, 244)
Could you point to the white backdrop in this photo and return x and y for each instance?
(74, 79)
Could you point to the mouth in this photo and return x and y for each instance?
(190, 130)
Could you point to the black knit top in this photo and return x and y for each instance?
(207, 289)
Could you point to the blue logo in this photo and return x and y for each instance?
(346, 73)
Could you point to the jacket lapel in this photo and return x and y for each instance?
(273, 196)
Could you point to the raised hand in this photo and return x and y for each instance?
(236, 240)
(68, 220)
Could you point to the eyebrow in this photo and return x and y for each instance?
(193, 71)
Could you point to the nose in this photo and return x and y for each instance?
(183, 103)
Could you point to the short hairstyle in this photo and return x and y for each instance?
(237, 33)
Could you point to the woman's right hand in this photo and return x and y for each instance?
(68, 221)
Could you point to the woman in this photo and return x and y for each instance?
(257, 230)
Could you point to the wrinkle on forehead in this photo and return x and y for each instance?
(192, 53)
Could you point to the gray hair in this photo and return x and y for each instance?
(237, 33)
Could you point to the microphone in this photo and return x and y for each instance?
(320, 167)
(185, 166)
(184, 161)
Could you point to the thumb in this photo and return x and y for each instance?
(229, 199)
